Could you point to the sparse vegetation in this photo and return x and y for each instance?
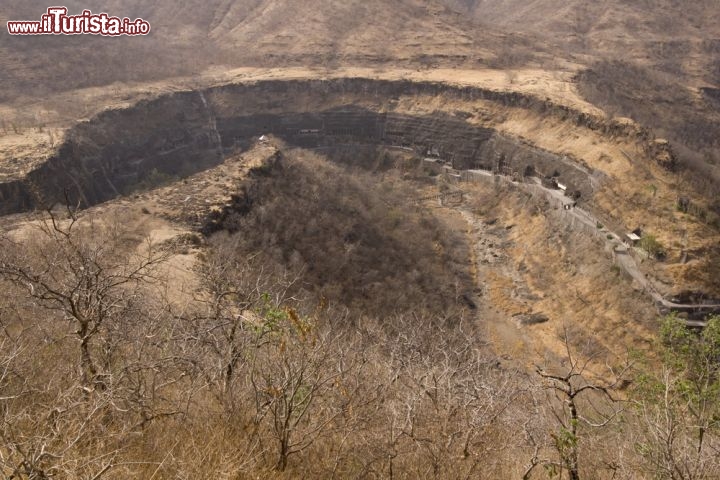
(350, 239)
(253, 376)
(706, 216)
(225, 255)
(152, 179)
(651, 245)
(632, 90)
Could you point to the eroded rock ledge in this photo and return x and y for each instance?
(176, 135)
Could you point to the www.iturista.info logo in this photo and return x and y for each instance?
(57, 22)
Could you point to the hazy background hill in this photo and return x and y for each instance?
(188, 36)
(677, 37)
(656, 61)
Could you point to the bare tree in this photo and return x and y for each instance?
(448, 406)
(46, 417)
(299, 380)
(220, 328)
(577, 402)
(66, 415)
(78, 271)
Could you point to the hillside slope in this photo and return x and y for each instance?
(189, 36)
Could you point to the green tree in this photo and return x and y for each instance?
(680, 404)
(651, 245)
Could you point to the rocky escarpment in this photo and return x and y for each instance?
(110, 154)
(179, 134)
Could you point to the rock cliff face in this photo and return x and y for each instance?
(112, 153)
(183, 133)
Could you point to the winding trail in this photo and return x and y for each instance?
(696, 312)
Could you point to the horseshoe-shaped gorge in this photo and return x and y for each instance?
(446, 128)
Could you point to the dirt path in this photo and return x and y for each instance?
(577, 216)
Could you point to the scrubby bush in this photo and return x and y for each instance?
(357, 241)
(652, 246)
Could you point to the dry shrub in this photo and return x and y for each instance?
(358, 241)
